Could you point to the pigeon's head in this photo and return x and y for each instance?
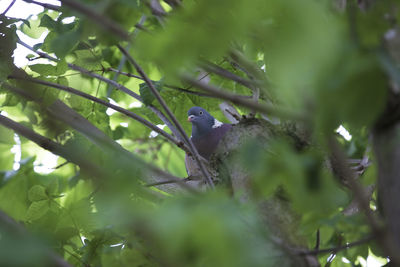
(202, 121)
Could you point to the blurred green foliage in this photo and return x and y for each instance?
(313, 57)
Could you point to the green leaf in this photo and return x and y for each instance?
(50, 70)
(87, 59)
(356, 94)
(37, 193)
(33, 29)
(146, 94)
(37, 210)
(48, 22)
(64, 43)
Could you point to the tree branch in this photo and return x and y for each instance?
(123, 59)
(106, 80)
(49, 145)
(63, 113)
(44, 5)
(102, 102)
(116, 85)
(166, 85)
(335, 249)
(211, 67)
(239, 100)
(8, 8)
(172, 181)
(86, 72)
(171, 115)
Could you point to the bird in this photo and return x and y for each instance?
(207, 132)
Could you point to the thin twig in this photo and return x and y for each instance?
(236, 99)
(8, 8)
(123, 59)
(335, 249)
(211, 67)
(179, 181)
(61, 165)
(99, 19)
(106, 80)
(44, 5)
(318, 240)
(127, 74)
(86, 72)
(169, 124)
(157, 95)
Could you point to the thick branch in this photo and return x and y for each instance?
(157, 95)
(48, 144)
(239, 100)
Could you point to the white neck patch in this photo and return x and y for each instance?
(217, 124)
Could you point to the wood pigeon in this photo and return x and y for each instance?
(206, 134)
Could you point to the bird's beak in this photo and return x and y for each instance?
(190, 118)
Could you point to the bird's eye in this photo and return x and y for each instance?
(201, 112)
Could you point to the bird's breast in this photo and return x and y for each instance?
(207, 144)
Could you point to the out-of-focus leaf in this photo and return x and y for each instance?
(87, 59)
(363, 84)
(179, 44)
(33, 30)
(146, 94)
(37, 193)
(64, 43)
(37, 209)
